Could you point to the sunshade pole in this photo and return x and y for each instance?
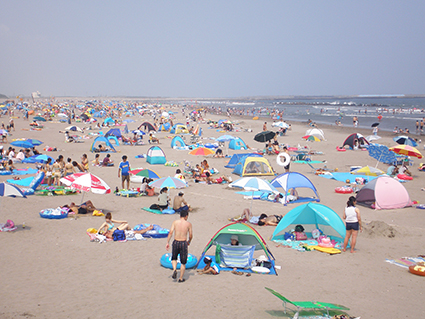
(82, 198)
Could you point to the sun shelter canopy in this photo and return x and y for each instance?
(384, 192)
(146, 126)
(234, 160)
(114, 132)
(177, 142)
(102, 139)
(237, 144)
(253, 166)
(353, 138)
(294, 180)
(316, 132)
(155, 155)
(179, 129)
(311, 216)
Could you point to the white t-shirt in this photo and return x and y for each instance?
(351, 215)
(402, 169)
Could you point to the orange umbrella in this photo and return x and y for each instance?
(406, 150)
(201, 151)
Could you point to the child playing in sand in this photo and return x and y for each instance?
(210, 267)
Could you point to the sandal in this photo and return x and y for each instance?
(182, 280)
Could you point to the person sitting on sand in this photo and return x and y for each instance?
(179, 203)
(392, 170)
(153, 139)
(9, 165)
(219, 153)
(272, 220)
(210, 180)
(96, 160)
(84, 208)
(163, 199)
(102, 148)
(108, 227)
(107, 161)
(210, 267)
(404, 170)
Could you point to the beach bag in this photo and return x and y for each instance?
(300, 236)
(118, 235)
(287, 236)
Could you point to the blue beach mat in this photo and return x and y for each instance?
(201, 265)
(342, 177)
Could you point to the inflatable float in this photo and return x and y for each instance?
(166, 261)
(404, 177)
(421, 206)
(326, 243)
(418, 269)
(340, 149)
(285, 156)
(343, 190)
(54, 213)
(156, 232)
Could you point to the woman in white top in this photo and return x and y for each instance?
(353, 223)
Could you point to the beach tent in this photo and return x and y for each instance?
(101, 139)
(164, 127)
(112, 138)
(294, 180)
(155, 155)
(237, 144)
(316, 132)
(234, 160)
(179, 129)
(146, 126)
(253, 166)
(177, 142)
(384, 192)
(114, 132)
(351, 139)
(108, 121)
(311, 216)
(248, 237)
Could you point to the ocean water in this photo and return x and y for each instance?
(396, 111)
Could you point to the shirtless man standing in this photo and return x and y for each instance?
(180, 228)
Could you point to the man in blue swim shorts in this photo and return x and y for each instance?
(181, 229)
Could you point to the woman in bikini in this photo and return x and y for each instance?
(56, 173)
(69, 168)
(85, 162)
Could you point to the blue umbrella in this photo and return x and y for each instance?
(225, 138)
(34, 142)
(381, 153)
(24, 144)
(169, 182)
(139, 132)
(10, 190)
(39, 118)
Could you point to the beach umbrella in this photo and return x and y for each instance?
(406, 150)
(253, 184)
(201, 151)
(62, 115)
(68, 180)
(264, 136)
(169, 182)
(144, 173)
(280, 124)
(74, 128)
(10, 190)
(225, 138)
(34, 142)
(128, 121)
(406, 140)
(311, 138)
(39, 118)
(381, 153)
(368, 170)
(138, 132)
(23, 144)
(375, 124)
(42, 158)
(89, 182)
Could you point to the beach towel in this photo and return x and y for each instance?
(405, 262)
(159, 212)
(8, 226)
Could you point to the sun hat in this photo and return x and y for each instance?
(262, 258)
(207, 260)
(234, 237)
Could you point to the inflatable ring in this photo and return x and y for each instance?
(343, 190)
(292, 148)
(48, 213)
(287, 159)
(404, 177)
(340, 149)
(417, 270)
(166, 261)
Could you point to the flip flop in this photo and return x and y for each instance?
(182, 280)
(174, 276)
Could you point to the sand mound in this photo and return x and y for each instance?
(379, 229)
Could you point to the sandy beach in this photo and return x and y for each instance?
(50, 269)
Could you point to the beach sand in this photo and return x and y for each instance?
(50, 269)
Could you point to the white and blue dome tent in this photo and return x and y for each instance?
(234, 160)
(164, 127)
(294, 180)
(155, 155)
(114, 132)
(311, 216)
(101, 139)
(237, 144)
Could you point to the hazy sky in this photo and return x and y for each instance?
(212, 48)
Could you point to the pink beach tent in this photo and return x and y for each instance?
(384, 193)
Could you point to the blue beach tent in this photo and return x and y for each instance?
(177, 142)
(112, 138)
(237, 144)
(114, 132)
(234, 160)
(164, 127)
(311, 216)
(253, 166)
